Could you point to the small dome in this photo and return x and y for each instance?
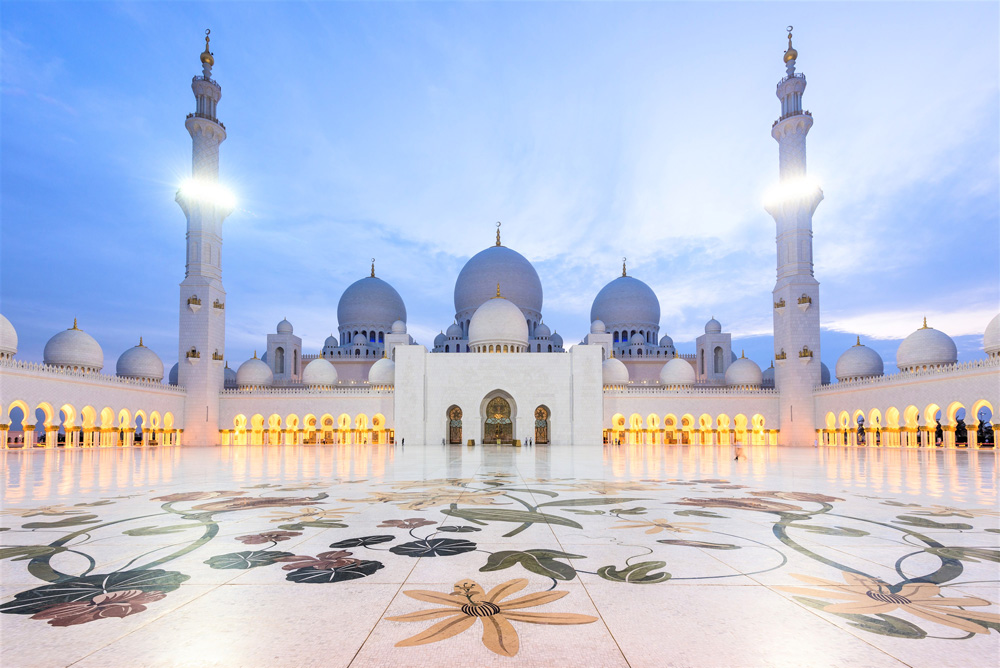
(74, 349)
(713, 327)
(859, 361)
(598, 327)
(254, 373)
(542, 331)
(767, 376)
(284, 327)
(319, 373)
(614, 372)
(399, 327)
(637, 339)
(439, 340)
(359, 340)
(172, 376)
(228, 376)
(744, 373)
(370, 302)
(498, 321)
(383, 372)
(476, 283)
(824, 374)
(454, 331)
(677, 372)
(926, 347)
(139, 362)
(557, 340)
(666, 342)
(991, 338)
(331, 342)
(626, 301)
(8, 337)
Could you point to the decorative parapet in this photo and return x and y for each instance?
(781, 355)
(805, 353)
(193, 354)
(659, 390)
(348, 390)
(219, 305)
(36, 368)
(904, 377)
(804, 299)
(780, 303)
(217, 356)
(193, 300)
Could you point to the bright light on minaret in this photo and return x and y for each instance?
(207, 191)
(790, 190)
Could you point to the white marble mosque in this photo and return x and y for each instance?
(497, 372)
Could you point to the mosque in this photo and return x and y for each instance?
(497, 373)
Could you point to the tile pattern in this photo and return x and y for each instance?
(635, 555)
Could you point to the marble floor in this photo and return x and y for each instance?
(498, 556)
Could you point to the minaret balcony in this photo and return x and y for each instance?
(788, 115)
(212, 118)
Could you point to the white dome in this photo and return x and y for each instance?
(598, 327)
(331, 342)
(626, 301)
(926, 347)
(859, 361)
(228, 376)
(677, 372)
(744, 373)
(440, 339)
(767, 376)
(824, 374)
(399, 327)
(557, 340)
(382, 372)
(542, 331)
(284, 327)
(614, 372)
(139, 362)
(498, 321)
(172, 376)
(477, 282)
(713, 327)
(359, 340)
(8, 337)
(991, 338)
(370, 302)
(666, 342)
(454, 331)
(637, 339)
(319, 373)
(74, 349)
(254, 373)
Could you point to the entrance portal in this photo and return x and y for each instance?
(542, 425)
(455, 425)
(498, 426)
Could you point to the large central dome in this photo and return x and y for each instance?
(477, 282)
(626, 301)
(370, 301)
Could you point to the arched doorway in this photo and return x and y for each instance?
(455, 425)
(498, 420)
(542, 425)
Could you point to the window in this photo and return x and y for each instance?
(718, 359)
(279, 360)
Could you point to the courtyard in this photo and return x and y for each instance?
(384, 555)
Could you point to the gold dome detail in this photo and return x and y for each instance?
(206, 55)
(791, 53)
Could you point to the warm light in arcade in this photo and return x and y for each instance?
(208, 191)
(790, 190)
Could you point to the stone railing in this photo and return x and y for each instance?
(46, 370)
(339, 390)
(663, 391)
(905, 376)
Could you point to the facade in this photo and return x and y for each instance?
(497, 373)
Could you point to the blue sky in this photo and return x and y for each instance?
(403, 131)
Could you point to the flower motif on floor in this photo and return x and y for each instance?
(309, 514)
(798, 496)
(254, 502)
(467, 602)
(433, 498)
(195, 496)
(867, 596)
(102, 606)
(656, 526)
(412, 523)
(267, 537)
(322, 561)
(607, 488)
(948, 511)
(740, 504)
(57, 509)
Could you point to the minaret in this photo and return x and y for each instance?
(796, 292)
(202, 336)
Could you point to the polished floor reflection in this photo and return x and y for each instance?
(471, 556)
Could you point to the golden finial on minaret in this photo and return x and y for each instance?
(206, 55)
(498, 237)
(74, 323)
(373, 268)
(623, 267)
(790, 54)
